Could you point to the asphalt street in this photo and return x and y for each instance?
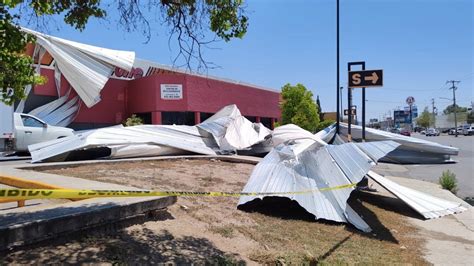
(463, 168)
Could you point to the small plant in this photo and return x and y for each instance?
(134, 120)
(448, 181)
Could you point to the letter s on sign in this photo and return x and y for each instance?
(356, 79)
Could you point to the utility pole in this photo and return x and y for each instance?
(433, 110)
(453, 87)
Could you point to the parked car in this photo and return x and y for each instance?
(23, 130)
(405, 132)
(468, 131)
(445, 130)
(453, 132)
(423, 132)
(432, 132)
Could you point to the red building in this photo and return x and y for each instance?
(162, 95)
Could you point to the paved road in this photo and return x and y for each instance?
(464, 168)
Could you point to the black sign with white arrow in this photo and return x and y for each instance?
(365, 78)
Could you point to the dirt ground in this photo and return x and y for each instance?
(203, 230)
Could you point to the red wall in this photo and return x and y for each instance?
(206, 95)
(111, 108)
(49, 88)
(121, 98)
(200, 95)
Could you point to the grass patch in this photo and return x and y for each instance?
(226, 231)
(308, 242)
(281, 231)
(448, 181)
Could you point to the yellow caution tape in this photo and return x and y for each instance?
(26, 194)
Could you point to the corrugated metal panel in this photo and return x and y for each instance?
(154, 140)
(87, 68)
(411, 150)
(232, 131)
(178, 137)
(428, 206)
(317, 167)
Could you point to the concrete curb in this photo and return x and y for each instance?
(17, 229)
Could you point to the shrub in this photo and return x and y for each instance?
(448, 181)
(134, 120)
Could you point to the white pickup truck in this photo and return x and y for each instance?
(18, 130)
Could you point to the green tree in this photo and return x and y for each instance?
(450, 109)
(298, 107)
(189, 21)
(320, 110)
(425, 119)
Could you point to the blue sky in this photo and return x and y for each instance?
(420, 44)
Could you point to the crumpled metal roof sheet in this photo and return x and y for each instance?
(301, 161)
(87, 68)
(411, 150)
(288, 168)
(177, 137)
(232, 131)
(156, 140)
(428, 206)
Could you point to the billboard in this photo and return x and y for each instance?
(403, 116)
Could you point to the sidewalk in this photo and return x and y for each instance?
(449, 239)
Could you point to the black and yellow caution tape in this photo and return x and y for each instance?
(27, 194)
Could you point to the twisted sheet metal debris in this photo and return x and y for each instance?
(225, 132)
(428, 206)
(87, 68)
(308, 163)
(303, 161)
(411, 150)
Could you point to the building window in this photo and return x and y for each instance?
(178, 118)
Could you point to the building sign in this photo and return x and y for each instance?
(403, 116)
(142, 68)
(171, 91)
(135, 73)
(365, 78)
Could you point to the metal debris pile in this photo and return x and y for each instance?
(323, 164)
(301, 161)
(223, 133)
